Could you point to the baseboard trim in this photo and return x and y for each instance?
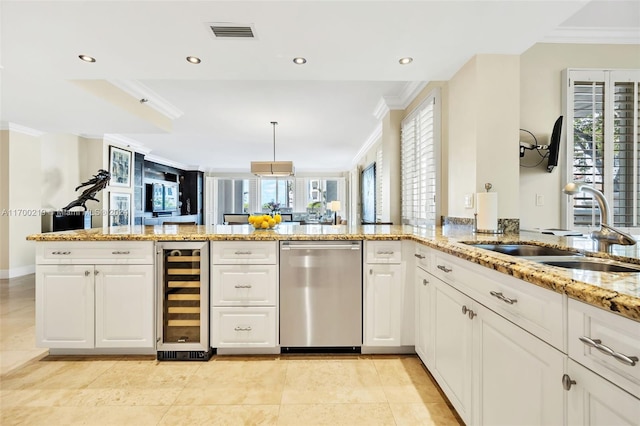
(17, 272)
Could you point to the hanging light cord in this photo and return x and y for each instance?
(275, 123)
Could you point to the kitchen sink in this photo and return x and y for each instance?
(592, 265)
(526, 250)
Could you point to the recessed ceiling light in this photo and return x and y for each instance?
(299, 60)
(193, 59)
(406, 60)
(87, 58)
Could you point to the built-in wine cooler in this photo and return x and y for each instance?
(183, 300)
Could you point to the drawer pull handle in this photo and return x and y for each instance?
(242, 329)
(61, 253)
(502, 297)
(121, 252)
(597, 343)
(240, 253)
(444, 268)
(386, 252)
(420, 256)
(242, 286)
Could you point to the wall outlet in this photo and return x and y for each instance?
(539, 200)
(468, 201)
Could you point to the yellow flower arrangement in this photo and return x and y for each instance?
(265, 221)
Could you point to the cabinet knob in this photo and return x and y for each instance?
(567, 382)
(86, 273)
(467, 311)
(425, 281)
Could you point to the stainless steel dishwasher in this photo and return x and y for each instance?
(320, 295)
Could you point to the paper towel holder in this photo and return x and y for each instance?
(487, 187)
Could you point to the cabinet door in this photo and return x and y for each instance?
(452, 345)
(383, 303)
(593, 400)
(518, 378)
(424, 347)
(64, 306)
(124, 306)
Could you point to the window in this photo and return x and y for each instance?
(603, 144)
(420, 162)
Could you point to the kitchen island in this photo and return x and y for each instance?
(508, 339)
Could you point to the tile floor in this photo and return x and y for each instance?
(36, 388)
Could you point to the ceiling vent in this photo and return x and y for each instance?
(227, 30)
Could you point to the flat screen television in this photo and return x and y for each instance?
(554, 145)
(164, 197)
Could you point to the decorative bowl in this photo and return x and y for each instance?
(264, 221)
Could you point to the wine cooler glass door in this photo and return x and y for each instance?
(184, 296)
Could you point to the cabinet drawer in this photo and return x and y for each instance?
(383, 251)
(243, 327)
(614, 335)
(537, 310)
(243, 252)
(423, 257)
(94, 252)
(244, 285)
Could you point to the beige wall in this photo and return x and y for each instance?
(4, 200)
(391, 167)
(23, 201)
(541, 104)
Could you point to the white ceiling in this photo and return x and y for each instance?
(222, 108)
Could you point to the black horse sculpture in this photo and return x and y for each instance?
(98, 182)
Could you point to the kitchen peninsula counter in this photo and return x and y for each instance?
(616, 292)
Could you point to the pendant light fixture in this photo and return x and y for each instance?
(272, 168)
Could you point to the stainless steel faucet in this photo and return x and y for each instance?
(607, 235)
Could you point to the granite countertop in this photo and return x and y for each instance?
(617, 292)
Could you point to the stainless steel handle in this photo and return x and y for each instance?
(242, 328)
(61, 252)
(239, 253)
(502, 297)
(420, 256)
(384, 252)
(567, 382)
(444, 268)
(321, 247)
(631, 361)
(121, 252)
(242, 286)
(469, 312)
(425, 281)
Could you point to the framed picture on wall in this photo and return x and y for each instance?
(119, 209)
(119, 167)
(368, 188)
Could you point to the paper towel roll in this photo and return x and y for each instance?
(487, 205)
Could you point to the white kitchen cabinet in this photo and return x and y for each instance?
(65, 306)
(593, 400)
(244, 296)
(124, 308)
(107, 304)
(518, 375)
(383, 305)
(423, 333)
(452, 341)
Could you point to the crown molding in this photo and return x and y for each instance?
(12, 127)
(409, 91)
(594, 35)
(171, 163)
(154, 100)
(371, 140)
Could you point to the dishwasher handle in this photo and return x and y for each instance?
(353, 246)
